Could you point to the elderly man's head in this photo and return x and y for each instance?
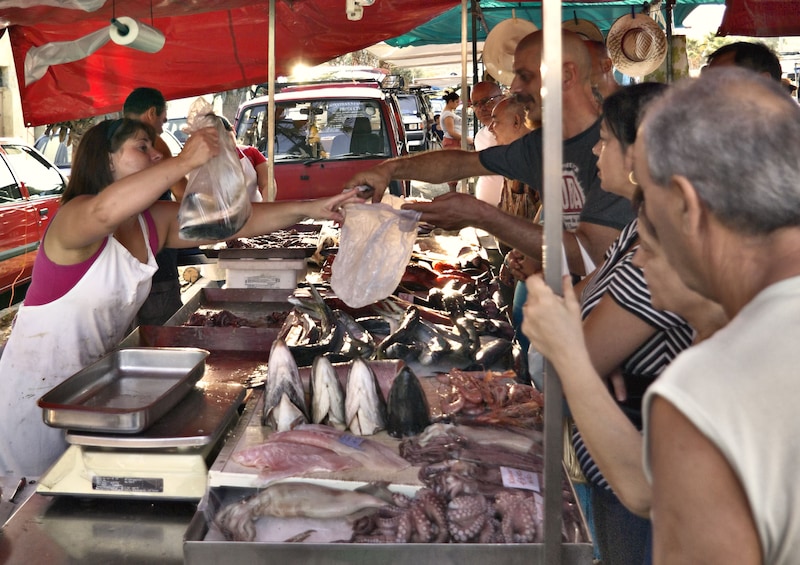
(483, 97)
(508, 121)
(527, 83)
(723, 146)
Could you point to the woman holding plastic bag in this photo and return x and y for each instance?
(94, 270)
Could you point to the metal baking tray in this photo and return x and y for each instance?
(125, 391)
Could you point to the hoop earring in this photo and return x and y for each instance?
(632, 179)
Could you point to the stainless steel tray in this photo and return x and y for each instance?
(125, 391)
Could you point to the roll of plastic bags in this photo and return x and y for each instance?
(375, 246)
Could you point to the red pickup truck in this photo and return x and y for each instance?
(30, 193)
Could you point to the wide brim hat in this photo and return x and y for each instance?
(499, 47)
(587, 30)
(637, 45)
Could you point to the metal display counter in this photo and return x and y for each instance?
(68, 529)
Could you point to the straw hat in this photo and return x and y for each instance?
(586, 29)
(499, 47)
(636, 44)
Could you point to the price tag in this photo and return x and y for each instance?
(351, 441)
(516, 478)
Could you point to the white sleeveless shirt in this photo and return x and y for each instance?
(53, 341)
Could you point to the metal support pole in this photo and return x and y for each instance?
(462, 186)
(553, 142)
(271, 192)
(668, 20)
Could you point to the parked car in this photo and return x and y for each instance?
(417, 119)
(324, 134)
(30, 192)
(60, 152)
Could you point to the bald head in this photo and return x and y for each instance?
(573, 50)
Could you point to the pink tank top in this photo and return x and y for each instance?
(51, 281)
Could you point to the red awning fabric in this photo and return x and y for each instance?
(761, 18)
(220, 45)
(206, 50)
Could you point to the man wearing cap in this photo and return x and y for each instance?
(592, 217)
(721, 421)
(483, 98)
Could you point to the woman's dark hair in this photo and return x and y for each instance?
(450, 96)
(91, 166)
(622, 111)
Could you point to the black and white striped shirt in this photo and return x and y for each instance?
(619, 280)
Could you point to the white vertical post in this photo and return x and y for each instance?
(551, 253)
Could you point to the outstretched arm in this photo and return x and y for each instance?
(270, 216)
(85, 220)
(553, 324)
(430, 166)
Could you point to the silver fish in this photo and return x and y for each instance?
(284, 398)
(327, 395)
(365, 409)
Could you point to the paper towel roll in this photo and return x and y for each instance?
(139, 36)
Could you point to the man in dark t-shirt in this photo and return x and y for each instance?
(594, 217)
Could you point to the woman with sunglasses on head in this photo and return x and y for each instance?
(94, 270)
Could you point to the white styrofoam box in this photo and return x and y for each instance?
(264, 273)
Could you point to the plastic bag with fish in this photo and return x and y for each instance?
(215, 205)
(374, 248)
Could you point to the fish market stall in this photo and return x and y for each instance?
(439, 458)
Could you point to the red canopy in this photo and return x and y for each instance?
(761, 18)
(210, 47)
(222, 44)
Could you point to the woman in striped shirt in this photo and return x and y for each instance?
(627, 341)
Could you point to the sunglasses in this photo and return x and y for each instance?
(483, 103)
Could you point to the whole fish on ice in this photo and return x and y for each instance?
(364, 407)
(284, 398)
(327, 395)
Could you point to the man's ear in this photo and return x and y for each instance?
(569, 74)
(691, 208)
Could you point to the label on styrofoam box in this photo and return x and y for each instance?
(517, 478)
(263, 264)
(263, 279)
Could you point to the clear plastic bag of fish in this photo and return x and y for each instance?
(215, 205)
(375, 246)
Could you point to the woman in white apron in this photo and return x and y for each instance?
(94, 270)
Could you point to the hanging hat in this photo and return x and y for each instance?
(587, 30)
(501, 42)
(637, 44)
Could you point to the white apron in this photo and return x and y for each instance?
(51, 342)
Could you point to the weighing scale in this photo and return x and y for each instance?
(168, 460)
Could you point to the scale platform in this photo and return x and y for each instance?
(168, 460)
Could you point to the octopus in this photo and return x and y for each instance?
(421, 519)
(470, 517)
(520, 518)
